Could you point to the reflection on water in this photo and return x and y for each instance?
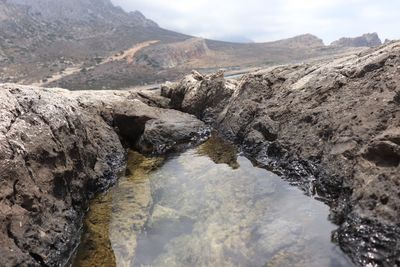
(220, 151)
(195, 211)
(116, 217)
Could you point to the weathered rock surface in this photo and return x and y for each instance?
(57, 149)
(332, 128)
(203, 96)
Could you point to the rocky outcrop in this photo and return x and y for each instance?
(366, 40)
(331, 127)
(57, 149)
(203, 96)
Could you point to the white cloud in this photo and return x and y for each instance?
(266, 20)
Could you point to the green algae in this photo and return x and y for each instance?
(117, 216)
(95, 248)
(220, 151)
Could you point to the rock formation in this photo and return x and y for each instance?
(366, 40)
(331, 127)
(58, 148)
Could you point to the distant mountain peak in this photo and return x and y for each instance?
(302, 41)
(365, 40)
(308, 37)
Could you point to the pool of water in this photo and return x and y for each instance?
(208, 206)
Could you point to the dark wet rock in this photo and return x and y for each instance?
(57, 149)
(330, 127)
(371, 242)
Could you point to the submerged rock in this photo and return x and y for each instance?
(58, 148)
(117, 217)
(208, 214)
(330, 127)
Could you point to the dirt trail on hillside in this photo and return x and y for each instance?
(127, 55)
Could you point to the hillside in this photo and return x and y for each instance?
(161, 62)
(90, 44)
(38, 38)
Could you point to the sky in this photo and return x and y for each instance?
(269, 20)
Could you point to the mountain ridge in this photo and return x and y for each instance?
(68, 42)
(365, 40)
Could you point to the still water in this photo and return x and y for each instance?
(208, 206)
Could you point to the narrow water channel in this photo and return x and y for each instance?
(208, 206)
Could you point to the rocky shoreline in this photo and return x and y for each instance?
(58, 148)
(330, 127)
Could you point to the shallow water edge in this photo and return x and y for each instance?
(208, 206)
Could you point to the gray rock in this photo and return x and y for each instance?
(57, 149)
(203, 96)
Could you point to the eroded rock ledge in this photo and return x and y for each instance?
(58, 148)
(330, 127)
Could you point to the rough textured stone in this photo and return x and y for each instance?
(203, 96)
(330, 127)
(57, 149)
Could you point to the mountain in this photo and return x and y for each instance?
(92, 44)
(81, 11)
(41, 37)
(366, 40)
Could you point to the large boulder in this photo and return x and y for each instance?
(201, 95)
